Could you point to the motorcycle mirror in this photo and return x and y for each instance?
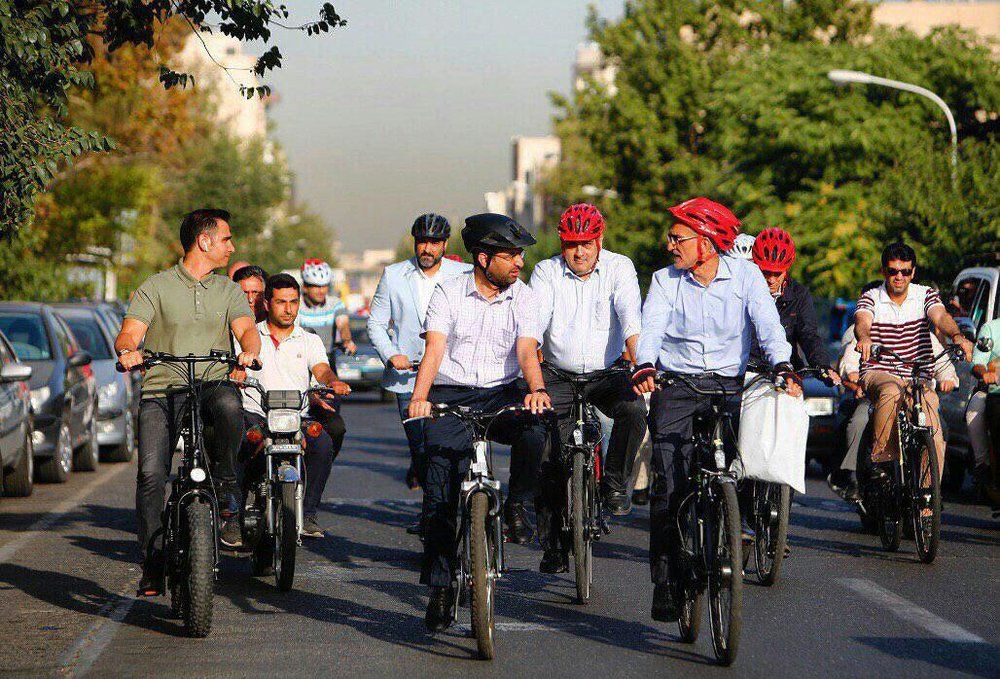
(985, 344)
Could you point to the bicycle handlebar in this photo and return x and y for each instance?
(954, 351)
(467, 413)
(154, 358)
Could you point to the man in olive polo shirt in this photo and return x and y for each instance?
(187, 309)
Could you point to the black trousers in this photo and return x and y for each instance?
(614, 397)
(159, 428)
(449, 452)
(671, 425)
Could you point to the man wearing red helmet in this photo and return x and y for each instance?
(589, 308)
(698, 319)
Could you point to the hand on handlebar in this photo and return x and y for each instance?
(249, 360)
(350, 348)
(967, 347)
(419, 408)
(644, 380)
(401, 362)
(131, 360)
(537, 402)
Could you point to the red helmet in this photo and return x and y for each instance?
(709, 219)
(774, 250)
(454, 258)
(581, 222)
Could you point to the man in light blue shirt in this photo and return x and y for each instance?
(698, 319)
(396, 319)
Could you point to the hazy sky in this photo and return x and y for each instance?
(410, 108)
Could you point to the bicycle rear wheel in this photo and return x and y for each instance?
(583, 557)
(198, 585)
(724, 556)
(286, 536)
(771, 505)
(925, 500)
(482, 568)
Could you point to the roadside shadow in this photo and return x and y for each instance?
(117, 550)
(976, 658)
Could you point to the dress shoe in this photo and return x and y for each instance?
(440, 609)
(554, 561)
(665, 607)
(519, 529)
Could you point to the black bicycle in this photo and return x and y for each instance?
(909, 487)
(481, 554)
(708, 524)
(580, 456)
(189, 530)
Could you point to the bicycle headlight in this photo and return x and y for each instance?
(819, 406)
(282, 421)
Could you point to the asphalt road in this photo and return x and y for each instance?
(843, 606)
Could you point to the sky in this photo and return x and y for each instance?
(411, 107)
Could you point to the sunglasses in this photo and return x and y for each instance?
(898, 272)
(673, 239)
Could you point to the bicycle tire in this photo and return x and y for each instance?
(689, 618)
(890, 529)
(582, 544)
(926, 533)
(772, 532)
(725, 574)
(483, 583)
(199, 578)
(286, 536)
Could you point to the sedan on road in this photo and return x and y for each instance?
(362, 371)
(63, 389)
(16, 451)
(116, 413)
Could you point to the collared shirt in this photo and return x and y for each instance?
(904, 328)
(481, 345)
(586, 322)
(691, 328)
(287, 365)
(185, 315)
(425, 286)
(321, 319)
(850, 359)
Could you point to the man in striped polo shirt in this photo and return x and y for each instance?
(898, 316)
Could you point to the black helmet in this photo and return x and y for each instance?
(431, 225)
(488, 232)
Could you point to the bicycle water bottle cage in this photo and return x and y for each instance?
(283, 398)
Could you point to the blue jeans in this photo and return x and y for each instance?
(415, 436)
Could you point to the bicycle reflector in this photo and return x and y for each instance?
(255, 435)
(314, 429)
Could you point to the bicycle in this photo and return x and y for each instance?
(708, 525)
(481, 554)
(583, 517)
(189, 529)
(910, 485)
(273, 503)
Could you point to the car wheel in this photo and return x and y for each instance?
(56, 469)
(87, 457)
(126, 450)
(19, 481)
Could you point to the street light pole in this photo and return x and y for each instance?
(842, 77)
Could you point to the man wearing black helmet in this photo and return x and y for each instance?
(482, 331)
(400, 301)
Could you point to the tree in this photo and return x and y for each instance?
(730, 100)
(44, 54)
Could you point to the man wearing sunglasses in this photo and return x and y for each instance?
(898, 316)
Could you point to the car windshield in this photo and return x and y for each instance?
(26, 334)
(88, 333)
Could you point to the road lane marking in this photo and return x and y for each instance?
(80, 658)
(371, 502)
(10, 549)
(910, 612)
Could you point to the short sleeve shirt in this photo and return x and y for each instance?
(481, 344)
(991, 331)
(904, 328)
(321, 319)
(185, 315)
(285, 365)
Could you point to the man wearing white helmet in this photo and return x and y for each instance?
(743, 247)
(322, 314)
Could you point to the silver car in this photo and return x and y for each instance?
(116, 412)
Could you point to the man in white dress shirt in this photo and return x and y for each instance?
(590, 312)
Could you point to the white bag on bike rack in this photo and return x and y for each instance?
(773, 431)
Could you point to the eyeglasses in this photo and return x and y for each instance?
(898, 272)
(509, 256)
(673, 239)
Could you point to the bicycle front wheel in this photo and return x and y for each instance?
(724, 556)
(925, 500)
(482, 567)
(890, 529)
(771, 505)
(198, 585)
(583, 557)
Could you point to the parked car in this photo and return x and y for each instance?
(116, 406)
(16, 450)
(63, 389)
(363, 371)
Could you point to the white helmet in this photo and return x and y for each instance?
(742, 247)
(316, 272)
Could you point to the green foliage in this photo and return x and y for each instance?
(44, 51)
(731, 100)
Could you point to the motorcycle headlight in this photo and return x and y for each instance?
(39, 397)
(108, 394)
(281, 421)
(819, 406)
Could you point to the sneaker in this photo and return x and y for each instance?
(554, 561)
(440, 609)
(311, 529)
(231, 535)
(665, 608)
(151, 582)
(640, 498)
(415, 528)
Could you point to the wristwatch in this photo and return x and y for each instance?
(540, 390)
(122, 352)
